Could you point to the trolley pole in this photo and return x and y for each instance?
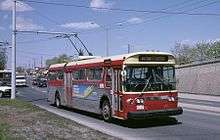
(13, 58)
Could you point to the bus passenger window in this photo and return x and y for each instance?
(97, 74)
(60, 75)
(79, 74)
(75, 75)
(82, 75)
(89, 73)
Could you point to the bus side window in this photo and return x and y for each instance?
(60, 75)
(89, 73)
(94, 74)
(82, 75)
(52, 76)
(49, 76)
(75, 75)
(108, 78)
(97, 74)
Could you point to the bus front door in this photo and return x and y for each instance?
(116, 92)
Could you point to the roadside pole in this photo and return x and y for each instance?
(13, 57)
(129, 48)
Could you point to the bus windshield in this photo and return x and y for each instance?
(149, 78)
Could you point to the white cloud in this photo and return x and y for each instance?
(27, 24)
(20, 6)
(94, 4)
(81, 25)
(135, 20)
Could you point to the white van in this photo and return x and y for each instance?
(21, 80)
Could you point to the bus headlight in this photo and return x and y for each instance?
(171, 99)
(140, 101)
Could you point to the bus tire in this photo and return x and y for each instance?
(106, 111)
(57, 101)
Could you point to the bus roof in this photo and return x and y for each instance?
(115, 60)
(118, 58)
(57, 66)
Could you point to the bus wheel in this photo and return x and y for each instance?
(57, 101)
(106, 111)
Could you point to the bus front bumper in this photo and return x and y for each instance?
(155, 113)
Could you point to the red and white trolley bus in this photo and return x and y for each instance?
(136, 85)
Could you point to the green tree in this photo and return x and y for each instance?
(3, 58)
(60, 59)
(201, 51)
(182, 53)
(213, 51)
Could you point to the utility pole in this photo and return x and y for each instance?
(29, 64)
(41, 61)
(129, 48)
(34, 63)
(13, 59)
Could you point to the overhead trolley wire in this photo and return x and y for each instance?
(164, 16)
(166, 8)
(33, 53)
(126, 10)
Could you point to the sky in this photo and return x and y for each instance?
(142, 30)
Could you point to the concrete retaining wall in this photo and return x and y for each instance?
(202, 78)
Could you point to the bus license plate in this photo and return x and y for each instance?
(140, 107)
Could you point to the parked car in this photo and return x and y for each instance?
(42, 82)
(21, 80)
(5, 89)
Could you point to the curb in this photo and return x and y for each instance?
(87, 123)
(201, 108)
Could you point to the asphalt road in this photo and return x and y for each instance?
(191, 125)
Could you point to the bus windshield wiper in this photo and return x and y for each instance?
(146, 85)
